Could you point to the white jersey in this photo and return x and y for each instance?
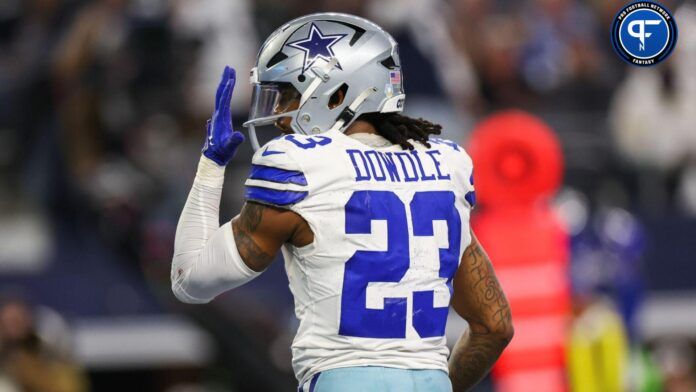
(390, 227)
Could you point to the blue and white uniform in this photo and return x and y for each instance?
(390, 227)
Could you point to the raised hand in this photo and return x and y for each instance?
(222, 141)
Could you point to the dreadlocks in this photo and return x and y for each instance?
(398, 129)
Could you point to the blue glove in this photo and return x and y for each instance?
(222, 141)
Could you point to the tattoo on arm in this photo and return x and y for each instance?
(472, 361)
(490, 328)
(490, 296)
(243, 227)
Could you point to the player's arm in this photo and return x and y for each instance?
(260, 230)
(209, 259)
(206, 261)
(480, 300)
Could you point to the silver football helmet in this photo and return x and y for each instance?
(305, 63)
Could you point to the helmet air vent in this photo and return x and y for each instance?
(389, 62)
(278, 57)
(359, 31)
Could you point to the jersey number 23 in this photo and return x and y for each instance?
(369, 266)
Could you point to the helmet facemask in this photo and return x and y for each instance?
(274, 103)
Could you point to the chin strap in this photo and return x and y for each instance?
(348, 113)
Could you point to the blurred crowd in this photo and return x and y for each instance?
(104, 100)
(104, 104)
(33, 360)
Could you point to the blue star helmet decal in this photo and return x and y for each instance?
(317, 46)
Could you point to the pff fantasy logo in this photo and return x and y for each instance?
(644, 33)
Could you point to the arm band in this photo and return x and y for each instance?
(206, 261)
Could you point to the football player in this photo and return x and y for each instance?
(370, 213)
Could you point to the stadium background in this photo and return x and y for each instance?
(102, 110)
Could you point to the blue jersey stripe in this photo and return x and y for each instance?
(313, 383)
(471, 198)
(274, 174)
(273, 196)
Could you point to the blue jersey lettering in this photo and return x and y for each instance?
(372, 165)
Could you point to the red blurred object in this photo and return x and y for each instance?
(517, 157)
(518, 166)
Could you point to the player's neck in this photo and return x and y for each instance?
(360, 126)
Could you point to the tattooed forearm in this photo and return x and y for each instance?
(472, 359)
(243, 227)
(490, 322)
(494, 311)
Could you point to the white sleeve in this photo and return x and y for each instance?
(206, 261)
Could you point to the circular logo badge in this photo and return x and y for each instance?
(644, 33)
